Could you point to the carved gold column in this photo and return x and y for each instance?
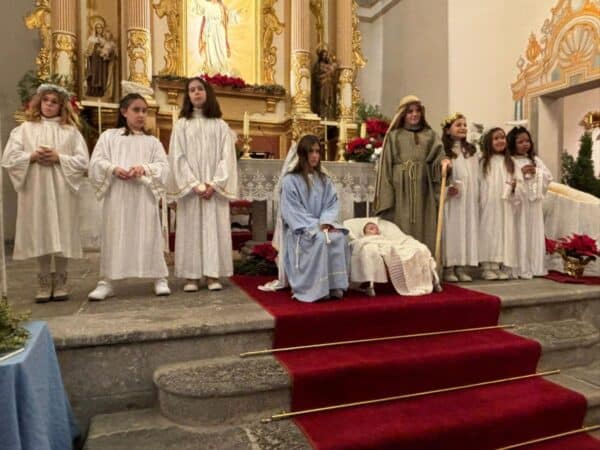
(358, 59)
(172, 11)
(300, 40)
(139, 56)
(64, 40)
(40, 19)
(344, 55)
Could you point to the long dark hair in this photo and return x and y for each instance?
(511, 138)
(210, 109)
(124, 104)
(302, 166)
(487, 148)
(422, 123)
(467, 148)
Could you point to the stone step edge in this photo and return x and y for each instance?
(560, 334)
(244, 376)
(128, 327)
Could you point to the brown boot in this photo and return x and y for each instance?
(44, 292)
(61, 290)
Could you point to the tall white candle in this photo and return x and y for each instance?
(99, 116)
(363, 130)
(174, 114)
(343, 134)
(246, 129)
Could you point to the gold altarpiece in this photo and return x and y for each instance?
(271, 44)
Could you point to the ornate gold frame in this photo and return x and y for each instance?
(174, 45)
(565, 32)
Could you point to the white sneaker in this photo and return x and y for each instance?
(191, 286)
(489, 275)
(336, 293)
(103, 290)
(161, 287)
(214, 286)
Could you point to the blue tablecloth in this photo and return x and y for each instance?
(35, 413)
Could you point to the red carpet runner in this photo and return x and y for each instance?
(479, 418)
(564, 278)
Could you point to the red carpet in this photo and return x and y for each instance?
(478, 418)
(564, 278)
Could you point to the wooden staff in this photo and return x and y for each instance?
(440, 218)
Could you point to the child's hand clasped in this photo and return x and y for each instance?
(136, 172)
(121, 173)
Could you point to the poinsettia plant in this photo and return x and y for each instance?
(261, 261)
(225, 81)
(578, 246)
(377, 128)
(361, 149)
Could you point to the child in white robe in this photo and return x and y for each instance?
(497, 246)
(461, 212)
(128, 170)
(46, 158)
(203, 180)
(532, 181)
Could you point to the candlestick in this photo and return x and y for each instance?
(343, 133)
(174, 115)
(343, 137)
(363, 130)
(246, 128)
(246, 147)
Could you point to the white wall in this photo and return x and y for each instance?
(575, 107)
(486, 39)
(370, 80)
(415, 56)
(18, 49)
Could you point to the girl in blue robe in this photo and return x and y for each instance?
(316, 256)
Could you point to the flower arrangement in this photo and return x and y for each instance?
(377, 128)
(576, 250)
(261, 261)
(361, 149)
(225, 81)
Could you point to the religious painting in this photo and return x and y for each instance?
(223, 37)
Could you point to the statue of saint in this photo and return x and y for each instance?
(101, 53)
(324, 85)
(213, 41)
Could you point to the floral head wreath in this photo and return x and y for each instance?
(451, 118)
(53, 87)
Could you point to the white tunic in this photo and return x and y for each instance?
(496, 214)
(202, 151)
(48, 200)
(461, 213)
(132, 245)
(529, 218)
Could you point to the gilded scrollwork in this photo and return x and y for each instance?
(40, 19)
(301, 126)
(316, 7)
(171, 9)
(271, 26)
(358, 59)
(345, 89)
(301, 81)
(138, 50)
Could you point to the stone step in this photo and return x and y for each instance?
(542, 300)
(231, 389)
(222, 390)
(565, 343)
(108, 359)
(586, 381)
(148, 430)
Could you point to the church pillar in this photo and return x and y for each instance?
(344, 58)
(139, 57)
(300, 61)
(64, 40)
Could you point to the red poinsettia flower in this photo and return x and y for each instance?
(579, 245)
(377, 127)
(551, 246)
(225, 81)
(265, 251)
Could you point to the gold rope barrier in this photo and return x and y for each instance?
(554, 436)
(361, 341)
(288, 415)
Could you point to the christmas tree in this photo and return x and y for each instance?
(12, 335)
(580, 173)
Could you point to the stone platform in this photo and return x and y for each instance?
(146, 372)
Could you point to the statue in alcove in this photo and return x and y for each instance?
(324, 85)
(101, 54)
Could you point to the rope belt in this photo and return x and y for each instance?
(410, 166)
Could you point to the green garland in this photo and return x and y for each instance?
(254, 265)
(12, 335)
